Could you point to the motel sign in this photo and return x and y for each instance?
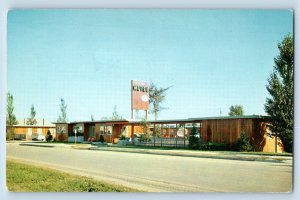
(139, 96)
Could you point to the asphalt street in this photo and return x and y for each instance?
(161, 173)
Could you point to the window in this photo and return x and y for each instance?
(61, 129)
(109, 130)
(101, 130)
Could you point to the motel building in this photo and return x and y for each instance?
(170, 133)
(175, 132)
(23, 131)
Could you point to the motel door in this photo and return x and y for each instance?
(92, 132)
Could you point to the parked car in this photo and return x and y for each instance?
(38, 137)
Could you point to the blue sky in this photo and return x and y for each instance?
(213, 59)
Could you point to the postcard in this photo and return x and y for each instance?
(149, 100)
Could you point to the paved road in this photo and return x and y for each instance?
(161, 172)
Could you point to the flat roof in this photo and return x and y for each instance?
(96, 121)
(232, 117)
(188, 120)
(34, 126)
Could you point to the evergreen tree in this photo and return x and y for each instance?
(10, 116)
(280, 105)
(49, 136)
(63, 108)
(32, 120)
(194, 139)
(236, 110)
(243, 143)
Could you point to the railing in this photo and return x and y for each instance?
(162, 142)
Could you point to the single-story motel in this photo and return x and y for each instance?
(221, 129)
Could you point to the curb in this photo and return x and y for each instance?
(261, 158)
(37, 145)
(242, 158)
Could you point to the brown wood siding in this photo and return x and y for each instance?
(97, 132)
(63, 136)
(229, 130)
(116, 131)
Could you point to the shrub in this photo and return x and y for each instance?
(243, 143)
(122, 137)
(49, 136)
(214, 146)
(101, 139)
(144, 138)
(194, 139)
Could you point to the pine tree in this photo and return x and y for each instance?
(194, 139)
(10, 116)
(243, 143)
(280, 106)
(49, 136)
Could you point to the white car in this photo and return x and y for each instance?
(39, 137)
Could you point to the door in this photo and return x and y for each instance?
(92, 132)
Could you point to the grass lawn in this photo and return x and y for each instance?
(27, 178)
(216, 151)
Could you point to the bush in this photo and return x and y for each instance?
(214, 146)
(101, 139)
(143, 138)
(243, 143)
(122, 137)
(49, 136)
(194, 139)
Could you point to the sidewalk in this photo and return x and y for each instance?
(170, 152)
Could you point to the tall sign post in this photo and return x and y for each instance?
(139, 100)
(139, 97)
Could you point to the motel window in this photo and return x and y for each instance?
(101, 130)
(180, 131)
(79, 129)
(61, 129)
(109, 130)
(171, 133)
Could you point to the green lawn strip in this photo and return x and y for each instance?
(185, 149)
(27, 178)
(267, 153)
